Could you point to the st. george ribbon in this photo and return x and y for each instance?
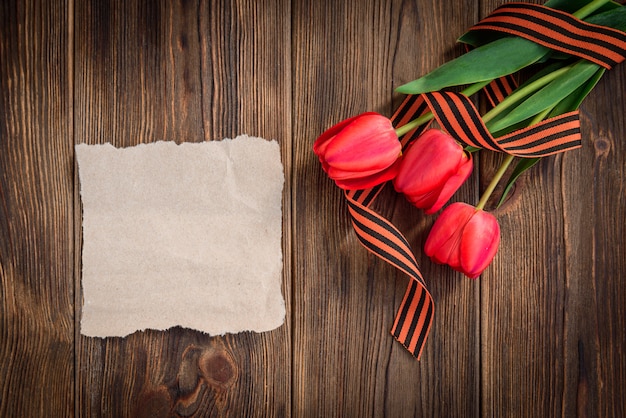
(456, 114)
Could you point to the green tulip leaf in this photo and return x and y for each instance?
(550, 95)
(566, 5)
(496, 56)
(573, 101)
(548, 69)
(570, 103)
(493, 60)
(614, 18)
(523, 165)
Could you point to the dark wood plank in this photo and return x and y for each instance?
(185, 71)
(348, 57)
(541, 333)
(36, 211)
(552, 304)
(594, 206)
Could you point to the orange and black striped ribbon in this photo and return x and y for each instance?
(558, 30)
(379, 236)
(457, 115)
(499, 88)
(383, 239)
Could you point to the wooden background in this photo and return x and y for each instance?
(541, 333)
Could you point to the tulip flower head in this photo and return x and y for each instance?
(432, 170)
(360, 152)
(465, 238)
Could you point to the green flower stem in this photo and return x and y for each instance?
(408, 127)
(523, 92)
(426, 117)
(494, 181)
(505, 164)
(589, 8)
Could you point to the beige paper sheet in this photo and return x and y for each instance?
(181, 235)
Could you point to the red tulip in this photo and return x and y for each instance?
(360, 152)
(465, 238)
(432, 170)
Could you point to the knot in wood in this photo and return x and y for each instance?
(218, 368)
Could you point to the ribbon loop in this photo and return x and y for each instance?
(458, 116)
(382, 238)
(558, 30)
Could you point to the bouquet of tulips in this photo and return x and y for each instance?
(366, 150)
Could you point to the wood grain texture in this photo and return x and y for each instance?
(346, 302)
(36, 213)
(541, 333)
(184, 71)
(596, 336)
(551, 332)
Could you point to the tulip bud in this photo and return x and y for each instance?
(360, 152)
(432, 170)
(465, 238)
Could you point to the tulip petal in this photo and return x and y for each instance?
(428, 163)
(338, 174)
(433, 169)
(452, 185)
(442, 244)
(424, 200)
(369, 141)
(320, 144)
(479, 244)
(369, 181)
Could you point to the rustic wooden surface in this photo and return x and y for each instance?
(541, 333)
